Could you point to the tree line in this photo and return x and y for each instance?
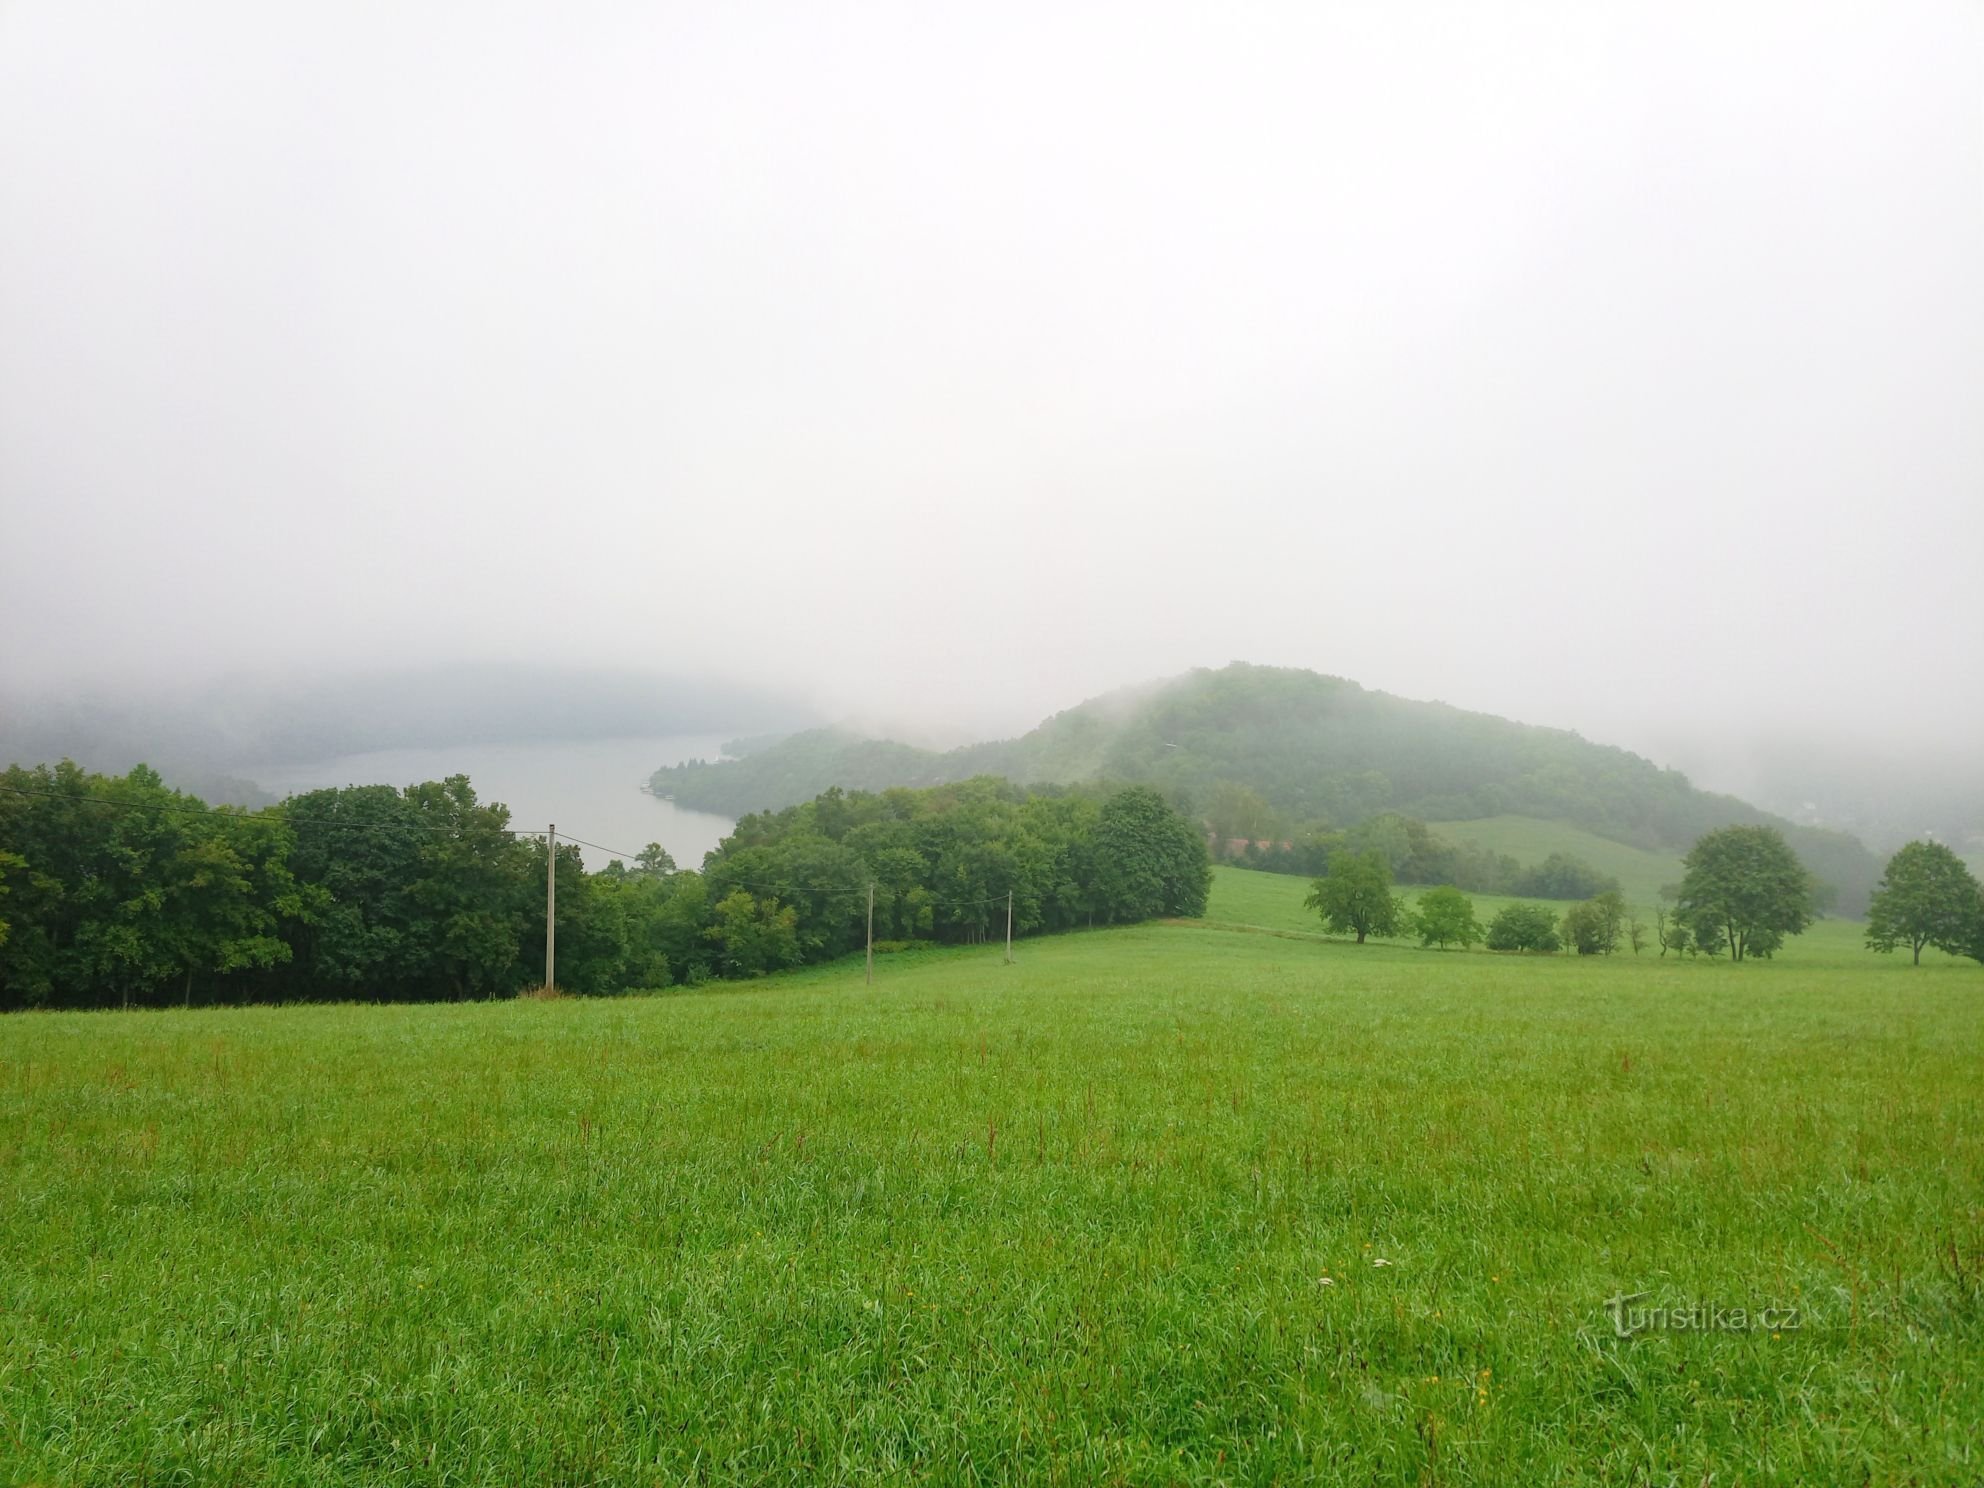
(1413, 852)
(1742, 892)
(116, 890)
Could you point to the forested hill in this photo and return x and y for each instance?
(1310, 748)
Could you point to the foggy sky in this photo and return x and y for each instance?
(1613, 366)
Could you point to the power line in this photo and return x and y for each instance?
(597, 847)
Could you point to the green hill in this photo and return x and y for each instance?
(1311, 748)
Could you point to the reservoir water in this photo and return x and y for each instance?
(594, 789)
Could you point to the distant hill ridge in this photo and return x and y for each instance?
(1315, 748)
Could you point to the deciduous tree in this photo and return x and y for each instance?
(1446, 916)
(1927, 897)
(1746, 889)
(1355, 897)
(1592, 928)
(1523, 927)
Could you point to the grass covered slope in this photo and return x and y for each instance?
(1117, 1211)
(1641, 873)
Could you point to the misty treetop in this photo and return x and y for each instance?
(117, 890)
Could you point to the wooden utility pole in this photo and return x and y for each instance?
(551, 907)
(1009, 927)
(871, 932)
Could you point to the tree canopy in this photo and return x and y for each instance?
(1355, 897)
(1523, 927)
(1927, 897)
(1745, 888)
(1593, 927)
(1445, 916)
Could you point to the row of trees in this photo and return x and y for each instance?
(1355, 898)
(1414, 854)
(117, 890)
(1742, 892)
(947, 861)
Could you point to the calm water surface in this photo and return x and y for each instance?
(591, 788)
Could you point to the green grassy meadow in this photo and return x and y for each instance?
(1178, 1203)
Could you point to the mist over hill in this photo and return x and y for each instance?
(1314, 748)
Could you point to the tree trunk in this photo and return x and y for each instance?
(1360, 937)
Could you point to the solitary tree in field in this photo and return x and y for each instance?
(1746, 889)
(1446, 915)
(1926, 897)
(1355, 897)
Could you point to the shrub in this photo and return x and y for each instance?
(1592, 928)
(1523, 927)
(1561, 876)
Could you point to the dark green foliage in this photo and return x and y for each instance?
(754, 936)
(9, 863)
(1745, 890)
(944, 860)
(1927, 896)
(119, 890)
(1593, 927)
(1415, 853)
(1562, 876)
(1355, 897)
(1524, 927)
(424, 893)
(1445, 916)
(1971, 942)
(122, 890)
(1152, 860)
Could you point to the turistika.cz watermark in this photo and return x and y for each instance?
(1631, 1317)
